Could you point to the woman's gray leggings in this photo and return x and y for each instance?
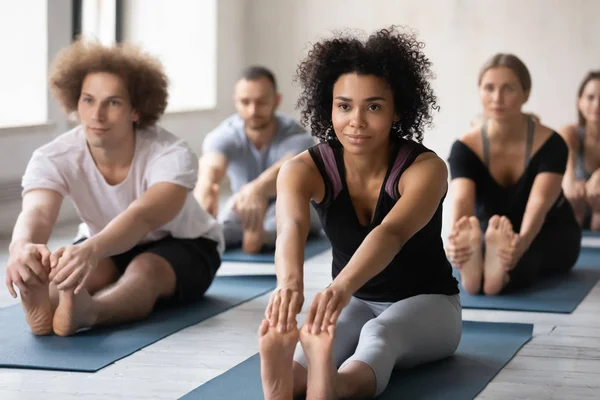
(409, 332)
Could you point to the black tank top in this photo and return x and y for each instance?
(421, 266)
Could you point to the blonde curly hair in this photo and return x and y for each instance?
(143, 74)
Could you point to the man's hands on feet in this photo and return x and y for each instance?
(72, 265)
(28, 264)
(285, 303)
(326, 308)
(250, 204)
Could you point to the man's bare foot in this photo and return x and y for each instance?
(38, 309)
(253, 241)
(499, 236)
(322, 372)
(276, 358)
(74, 312)
(466, 234)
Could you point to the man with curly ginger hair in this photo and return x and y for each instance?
(393, 301)
(143, 237)
(250, 146)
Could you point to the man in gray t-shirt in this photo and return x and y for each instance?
(250, 147)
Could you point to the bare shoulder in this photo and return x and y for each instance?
(428, 167)
(569, 134)
(472, 139)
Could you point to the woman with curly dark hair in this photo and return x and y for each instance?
(379, 192)
(506, 182)
(582, 177)
(143, 238)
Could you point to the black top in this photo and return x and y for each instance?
(492, 198)
(421, 266)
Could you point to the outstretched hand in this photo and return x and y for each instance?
(326, 308)
(285, 303)
(71, 266)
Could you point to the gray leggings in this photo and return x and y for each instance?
(234, 233)
(404, 334)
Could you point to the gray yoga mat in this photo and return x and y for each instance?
(484, 349)
(94, 349)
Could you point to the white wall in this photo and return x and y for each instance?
(556, 39)
(17, 144)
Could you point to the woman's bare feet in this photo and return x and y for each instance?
(38, 309)
(465, 239)
(74, 312)
(322, 373)
(276, 358)
(498, 237)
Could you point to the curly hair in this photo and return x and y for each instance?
(143, 74)
(393, 54)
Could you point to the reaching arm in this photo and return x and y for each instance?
(29, 258)
(37, 218)
(463, 194)
(569, 134)
(544, 192)
(422, 186)
(298, 182)
(266, 183)
(157, 206)
(212, 168)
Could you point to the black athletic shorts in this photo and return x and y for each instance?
(194, 261)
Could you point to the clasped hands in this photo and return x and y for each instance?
(68, 267)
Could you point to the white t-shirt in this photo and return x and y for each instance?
(66, 166)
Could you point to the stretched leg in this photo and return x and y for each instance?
(466, 233)
(348, 327)
(413, 331)
(232, 226)
(276, 357)
(499, 235)
(318, 349)
(147, 278)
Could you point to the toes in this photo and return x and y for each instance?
(473, 222)
(494, 222)
(263, 328)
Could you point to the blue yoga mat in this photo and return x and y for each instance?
(484, 350)
(558, 294)
(314, 246)
(94, 349)
(590, 234)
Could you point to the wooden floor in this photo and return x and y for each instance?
(562, 361)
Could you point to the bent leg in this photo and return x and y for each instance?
(413, 331)
(232, 226)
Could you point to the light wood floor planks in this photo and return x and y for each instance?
(562, 361)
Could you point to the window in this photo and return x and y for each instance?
(182, 34)
(97, 19)
(23, 70)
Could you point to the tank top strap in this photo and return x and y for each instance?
(485, 142)
(406, 154)
(324, 157)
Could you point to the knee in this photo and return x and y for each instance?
(152, 269)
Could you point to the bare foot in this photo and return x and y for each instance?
(276, 358)
(322, 373)
(74, 312)
(38, 309)
(466, 233)
(253, 241)
(499, 236)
